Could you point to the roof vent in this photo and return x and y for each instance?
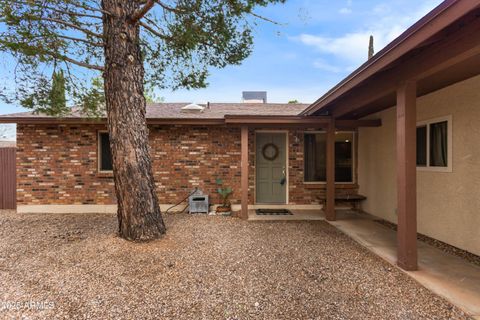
(192, 107)
(254, 96)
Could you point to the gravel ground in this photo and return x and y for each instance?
(205, 268)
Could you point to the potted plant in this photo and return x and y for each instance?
(226, 207)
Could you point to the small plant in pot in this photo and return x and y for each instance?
(226, 207)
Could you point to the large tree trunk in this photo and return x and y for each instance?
(139, 216)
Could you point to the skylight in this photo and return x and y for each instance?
(192, 107)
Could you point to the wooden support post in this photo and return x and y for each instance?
(330, 198)
(244, 172)
(406, 176)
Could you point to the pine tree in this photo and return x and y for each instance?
(132, 43)
(57, 97)
(371, 50)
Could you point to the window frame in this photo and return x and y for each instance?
(354, 157)
(99, 153)
(427, 123)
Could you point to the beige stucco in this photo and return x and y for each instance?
(448, 202)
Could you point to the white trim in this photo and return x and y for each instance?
(112, 208)
(82, 208)
(427, 123)
(287, 171)
(287, 206)
(354, 158)
(99, 153)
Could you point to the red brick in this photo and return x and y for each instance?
(57, 164)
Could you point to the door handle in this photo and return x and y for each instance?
(284, 179)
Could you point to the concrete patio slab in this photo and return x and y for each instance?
(449, 276)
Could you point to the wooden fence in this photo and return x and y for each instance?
(8, 181)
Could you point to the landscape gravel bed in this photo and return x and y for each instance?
(74, 266)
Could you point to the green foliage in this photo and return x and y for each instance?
(371, 50)
(151, 96)
(224, 192)
(58, 100)
(180, 42)
(48, 96)
(293, 101)
(92, 100)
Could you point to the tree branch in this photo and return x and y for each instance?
(89, 8)
(142, 11)
(155, 32)
(66, 12)
(152, 22)
(168, 8)
(78, 63)
(64, 58)
(95, 44)
(77, 14)
(73, 26)
(265, 18)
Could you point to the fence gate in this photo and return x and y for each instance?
(8, 181)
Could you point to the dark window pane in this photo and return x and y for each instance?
(315, 161)
(105, 153)
(439, 144)
(343, 157)
(422, 146)
(315, 157)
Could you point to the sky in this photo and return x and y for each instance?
(315, 44)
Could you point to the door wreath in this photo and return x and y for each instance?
(275, 151)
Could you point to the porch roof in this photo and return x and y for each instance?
(440, 49)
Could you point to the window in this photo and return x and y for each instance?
(315, 168)
(422, 146)
(104, 152)
(434, 144)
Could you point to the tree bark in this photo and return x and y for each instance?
(139, 216)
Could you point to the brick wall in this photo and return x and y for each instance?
(57, 164)
(188, 157)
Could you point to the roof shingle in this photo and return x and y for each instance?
(214, 111)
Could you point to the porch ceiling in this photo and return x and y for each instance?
(445, 78)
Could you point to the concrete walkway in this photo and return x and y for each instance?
(449, 276)
(298, 215)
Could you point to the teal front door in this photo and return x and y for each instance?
(271, 161)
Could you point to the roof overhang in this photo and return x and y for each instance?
(103, 121)
(236, 121)
(440, 49)
(297, 121)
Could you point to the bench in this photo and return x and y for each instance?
(355, 199)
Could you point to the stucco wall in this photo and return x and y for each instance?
(448, 202)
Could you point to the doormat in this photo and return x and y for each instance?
(273, 212)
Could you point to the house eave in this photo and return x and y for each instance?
(413, 38)
(103, 121)
(229, 120)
